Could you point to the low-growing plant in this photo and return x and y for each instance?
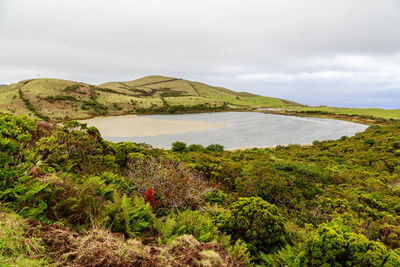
(16, 249)
(190, 222)
(131, 217)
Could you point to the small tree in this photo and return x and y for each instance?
(178, 146)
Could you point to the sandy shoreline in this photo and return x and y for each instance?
(270, 147)
(133, 125)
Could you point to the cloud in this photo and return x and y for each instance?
(310, 51)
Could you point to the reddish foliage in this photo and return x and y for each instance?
(150, 198)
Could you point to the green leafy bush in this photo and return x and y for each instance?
(196, 148)
(178, 147)
(215, 148)
(334, 244)
(258, 223)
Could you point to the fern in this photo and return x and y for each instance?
(130, 218)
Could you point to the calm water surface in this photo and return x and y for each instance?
(249, 129)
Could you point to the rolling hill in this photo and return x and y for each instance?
(57, 100)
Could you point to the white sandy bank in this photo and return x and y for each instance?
(133, 125)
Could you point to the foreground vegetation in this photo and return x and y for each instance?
(60, 100)
(68, 197)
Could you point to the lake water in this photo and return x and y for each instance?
(246, 129)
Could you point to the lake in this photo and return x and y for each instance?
(233, 130)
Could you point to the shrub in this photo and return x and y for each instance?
(257, 222)
(215, 148)
(178, 147)
(334, 244)
(216, 196)
(126, 151)
(195, 148)
(175, 186)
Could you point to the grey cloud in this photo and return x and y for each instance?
(312, 51)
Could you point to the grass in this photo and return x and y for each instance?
(15, 248)
(63, 100)
(374, 114)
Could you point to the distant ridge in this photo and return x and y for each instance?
(57, 99)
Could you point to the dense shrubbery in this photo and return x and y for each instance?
(336, 245)
(336, 202)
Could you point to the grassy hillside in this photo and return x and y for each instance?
(362, 115)
(56, 100)
(375, 112)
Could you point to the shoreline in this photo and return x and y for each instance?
(135, 125)
(269, 147)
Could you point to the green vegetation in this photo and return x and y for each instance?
(59, 100)
(30, 107)
(258, 223)
(70, 198)
(15, 248)
(364, 115)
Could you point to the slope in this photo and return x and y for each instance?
(57, 100)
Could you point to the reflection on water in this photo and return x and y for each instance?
(250, 129)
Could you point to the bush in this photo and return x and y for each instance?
(257, 222)
(334, 244)
(178, 147)
(195, 148)
(216, 196)
(175, 186)
(215, 148)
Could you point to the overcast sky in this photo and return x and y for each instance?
(328, 52)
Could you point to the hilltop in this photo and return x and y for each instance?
(57, 100)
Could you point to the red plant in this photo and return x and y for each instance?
(150, 198)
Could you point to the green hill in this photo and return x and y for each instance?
(56, 100)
